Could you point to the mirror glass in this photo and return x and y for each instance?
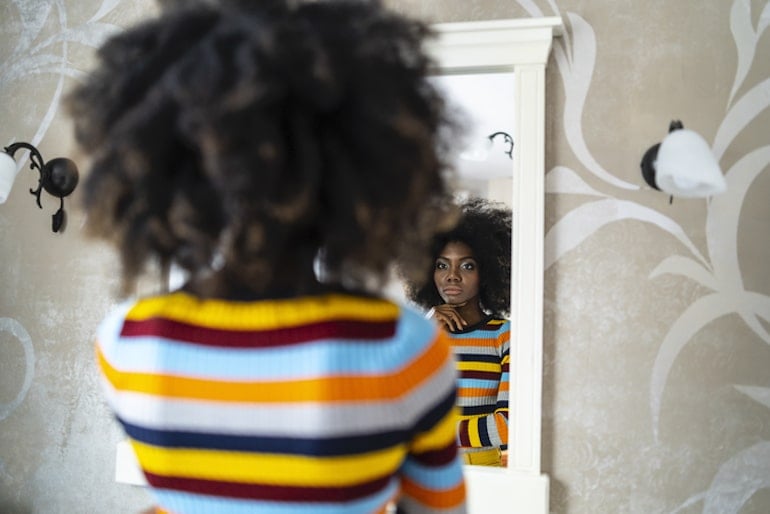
(483, 104)
(482, 156)
(486, 110)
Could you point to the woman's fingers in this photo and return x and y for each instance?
(447, 315)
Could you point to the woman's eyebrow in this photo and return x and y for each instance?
(465, 257)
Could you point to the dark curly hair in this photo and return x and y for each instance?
(485, 226)
(251, 137)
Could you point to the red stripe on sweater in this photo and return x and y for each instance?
(342, 329)
(483, 375)
(267, 492)
(438, 458)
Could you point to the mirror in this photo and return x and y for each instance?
(517, 50)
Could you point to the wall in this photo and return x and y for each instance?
(656, 386)
(57, 439)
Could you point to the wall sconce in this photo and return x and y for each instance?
(58, 177)
(507, 138)
(683, 165)
(479, 162)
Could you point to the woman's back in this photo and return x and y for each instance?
(330, 403)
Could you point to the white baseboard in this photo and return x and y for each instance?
(127, 469)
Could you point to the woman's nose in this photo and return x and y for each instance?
(453, 275)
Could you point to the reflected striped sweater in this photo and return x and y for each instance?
(327, 404)
(483, 357)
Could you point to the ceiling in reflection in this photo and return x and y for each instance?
(485, 103)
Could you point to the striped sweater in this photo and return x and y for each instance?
(332, 404)
(482, 354)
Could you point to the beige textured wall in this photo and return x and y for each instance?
(657, 367)
(57, 439)
(657, 381)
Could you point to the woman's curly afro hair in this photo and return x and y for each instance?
(485, 226)
(250, 137)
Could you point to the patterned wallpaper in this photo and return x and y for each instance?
(657, 314)
(657, 382)
(57, 439)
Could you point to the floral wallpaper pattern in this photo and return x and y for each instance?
(748, 471)
(656, 384)
(719, 273)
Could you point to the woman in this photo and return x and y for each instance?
(240, 141)
(468, 293)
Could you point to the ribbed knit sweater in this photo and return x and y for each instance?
(329, 404)
(483, 357)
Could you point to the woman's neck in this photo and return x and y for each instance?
(224, 286)
(471, 312)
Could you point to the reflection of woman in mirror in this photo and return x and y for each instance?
(468, 293)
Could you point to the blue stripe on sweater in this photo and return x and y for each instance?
(153, 354)
(176, 501)
(329, 446)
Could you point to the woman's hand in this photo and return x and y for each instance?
(449, 317)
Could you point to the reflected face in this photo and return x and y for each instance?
(456, 274)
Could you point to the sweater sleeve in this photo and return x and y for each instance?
(107, 350)
(432, 476)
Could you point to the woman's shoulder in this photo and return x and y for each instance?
(488, 324)
(193, 310)
(109, 329)
(413, 319)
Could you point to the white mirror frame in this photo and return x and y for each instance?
(522, 46)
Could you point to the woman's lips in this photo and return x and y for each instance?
(452, 291)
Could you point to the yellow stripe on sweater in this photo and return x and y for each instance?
(290, 470)
(478, 366)
(473, 435)
(441, 433)
(266, 315)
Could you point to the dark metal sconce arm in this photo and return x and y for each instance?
(35, 162)
(58, 177)
(508, 139)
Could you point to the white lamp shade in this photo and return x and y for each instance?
(485, 160)
(686, 167)
(8, 171)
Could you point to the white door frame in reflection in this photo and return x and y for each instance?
(522, 46)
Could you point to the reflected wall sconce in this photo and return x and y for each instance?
(507, 138)
(58, 177)
(483, 160)
(683, 165)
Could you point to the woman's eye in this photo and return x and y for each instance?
(441, 265)
(469, 266)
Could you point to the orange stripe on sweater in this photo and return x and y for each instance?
(446, 500)
(325, 389)
(476, 392)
